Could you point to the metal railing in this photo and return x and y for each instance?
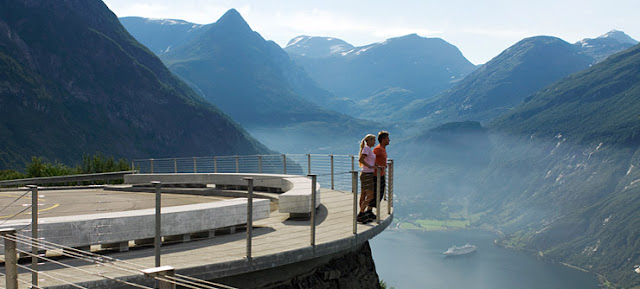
(332, 170)
(67, 179)
(335, 172)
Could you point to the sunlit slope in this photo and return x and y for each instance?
(564, 176)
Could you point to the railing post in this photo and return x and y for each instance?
(390, 196)
(195, 165)
(160, 273)
(284, 162)
(133, 165)
(158, 237)
(353, 163)
(34, 234)
(309, 164)
(354, 190)
(175, 165)
(249, 215)
(237, 165)
(10, 258)
(215, 165)
(151, 164)
(378, 195)
(332, 186)
(313, 209)
(259, 164)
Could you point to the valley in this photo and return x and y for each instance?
(541, 143)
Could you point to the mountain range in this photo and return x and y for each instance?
(388, 74)
(256, 83)
(490, 90)
(500, 84)
(236, 69)
(73, 82)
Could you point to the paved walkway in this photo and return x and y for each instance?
(277, 240)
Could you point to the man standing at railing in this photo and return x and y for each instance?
(381, 162)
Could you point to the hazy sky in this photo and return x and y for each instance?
(480, 29)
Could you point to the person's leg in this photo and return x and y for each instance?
(367, 199)
(372, 203)
(365, 185)
(364, 216)
(366, 181)
(361, 201)
(383, 183)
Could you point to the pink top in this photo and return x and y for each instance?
(370, 159)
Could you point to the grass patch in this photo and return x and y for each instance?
(409, 226)
(434, 225)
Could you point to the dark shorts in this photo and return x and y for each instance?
(366, 182)
(375, 184)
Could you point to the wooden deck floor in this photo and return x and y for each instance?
(276, 241)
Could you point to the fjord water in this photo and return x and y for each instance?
(414, 259)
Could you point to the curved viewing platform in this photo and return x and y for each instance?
(214, 223)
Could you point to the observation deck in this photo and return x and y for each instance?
(255, 242)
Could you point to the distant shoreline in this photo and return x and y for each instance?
(441, 225)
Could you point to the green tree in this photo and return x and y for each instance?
(383, 285)
(11, 175)
(98, 163)
(37, 168)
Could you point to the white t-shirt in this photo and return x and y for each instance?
(370, 159)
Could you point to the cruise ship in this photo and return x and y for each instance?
(455, 250)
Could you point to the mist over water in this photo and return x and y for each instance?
(414, 259)
(452, 175)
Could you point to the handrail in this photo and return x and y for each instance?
(332, 170)
(68, 178)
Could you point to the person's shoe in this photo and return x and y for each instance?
(362, 217)
(370, 215)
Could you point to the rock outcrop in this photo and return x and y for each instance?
(351, 270)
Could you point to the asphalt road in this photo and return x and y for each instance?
(16, 205)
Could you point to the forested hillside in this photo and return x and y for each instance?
(74, 82)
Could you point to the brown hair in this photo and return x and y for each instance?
(382, 135)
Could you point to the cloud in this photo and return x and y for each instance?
(498, 33)
(390, 32)
(202, 12)
(318, 22)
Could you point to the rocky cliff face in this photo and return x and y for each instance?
(352, 270)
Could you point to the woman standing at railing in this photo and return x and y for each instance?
(366, 161)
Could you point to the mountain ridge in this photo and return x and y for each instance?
(502, 83)
(604, 45)
(96, 90)
(315, 46)
(557, 177)
(256, 83)
(410, 63)
(228, 52)
(578, 196)
(176, 31)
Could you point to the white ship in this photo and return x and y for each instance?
(455, 250)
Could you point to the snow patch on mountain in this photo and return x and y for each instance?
(619, 36)
(295, 41)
